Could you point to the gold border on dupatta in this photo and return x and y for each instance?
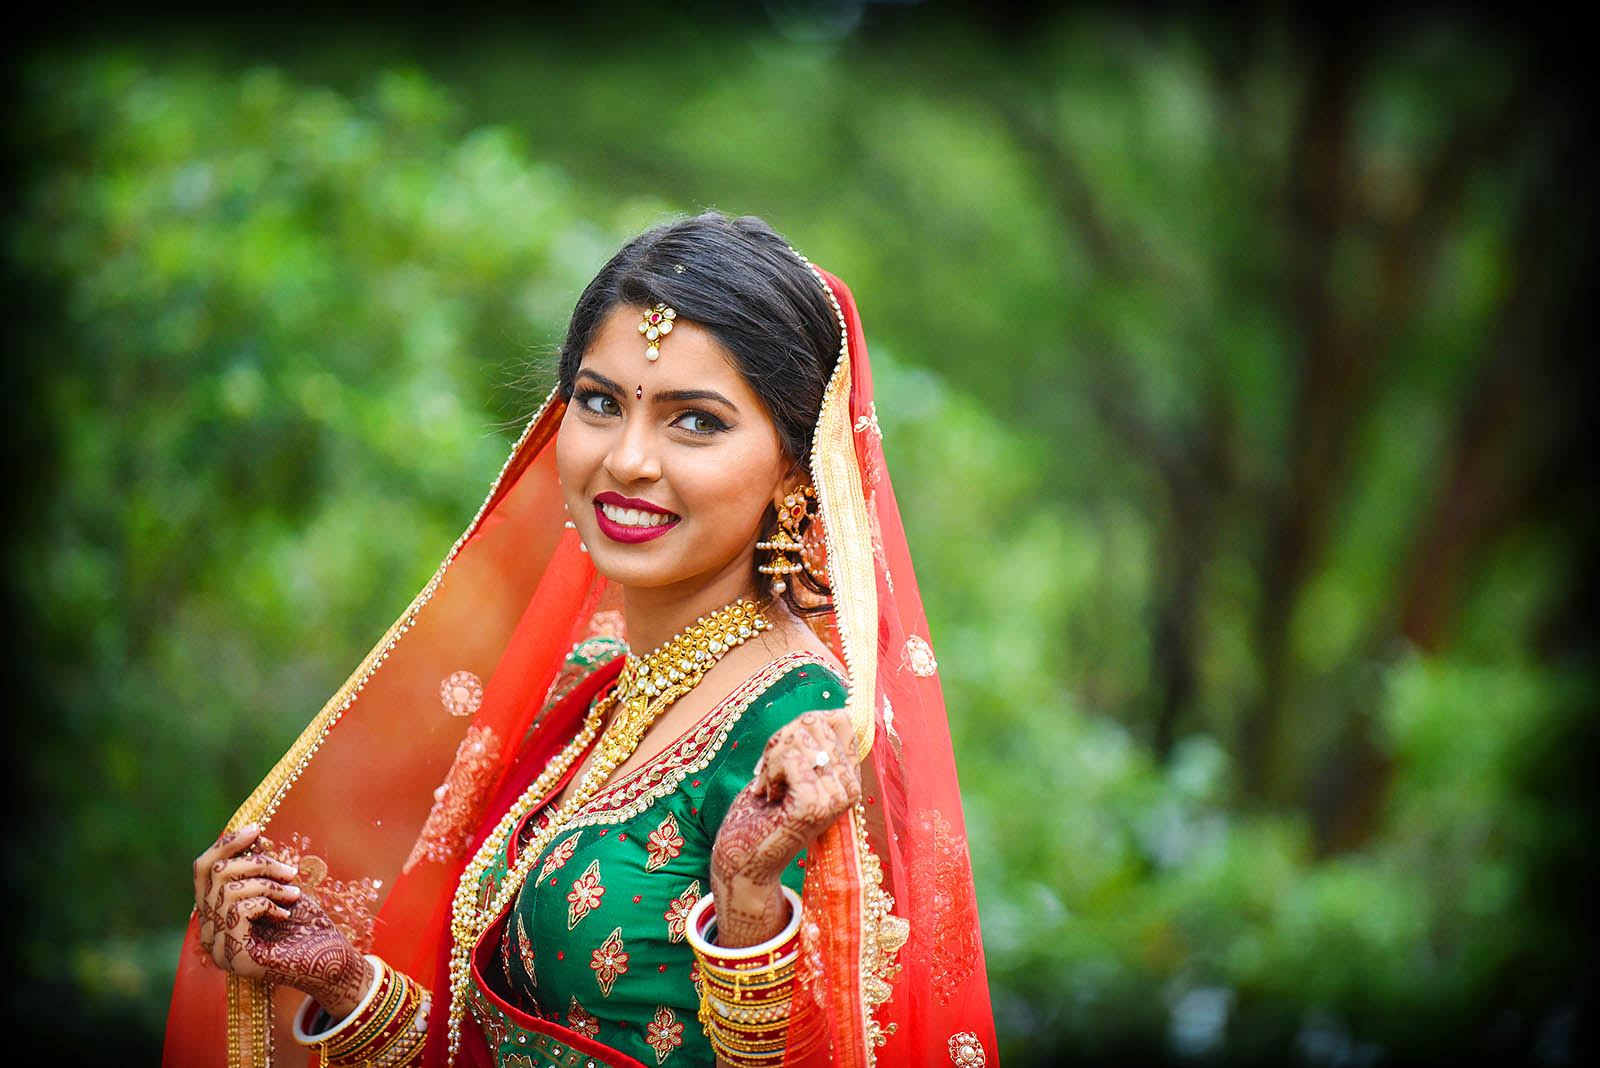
(250, 1000)
(848, 532)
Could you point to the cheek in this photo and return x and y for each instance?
(573, 462)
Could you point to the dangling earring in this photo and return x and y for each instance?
(787, 539)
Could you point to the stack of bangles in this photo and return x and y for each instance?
(387, 1029)
(745, 993)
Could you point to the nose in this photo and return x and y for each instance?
(634, 455)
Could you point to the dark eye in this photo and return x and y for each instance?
(700, 423)
(598, 403)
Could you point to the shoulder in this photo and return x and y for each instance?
(784, 689)
(587, 657)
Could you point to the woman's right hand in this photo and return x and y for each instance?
(256, 922)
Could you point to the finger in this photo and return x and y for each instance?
(239, 890)
(256, 864)
(261, 908)
(797, 768)
(225, 847)
(775, 781)
(229, 845)
(821, 747)
(844, 732)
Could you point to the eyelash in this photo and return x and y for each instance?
(587, 397)
(594, 401)
(717, 425)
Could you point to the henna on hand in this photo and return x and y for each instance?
(788, 803)
(255, 922)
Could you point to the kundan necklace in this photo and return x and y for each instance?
(646, 687)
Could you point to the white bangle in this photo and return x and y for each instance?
(693, 931)
(308, 1010)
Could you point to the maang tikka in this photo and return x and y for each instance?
(787, 539)
(656, 324)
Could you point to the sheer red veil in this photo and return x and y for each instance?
(383, 793)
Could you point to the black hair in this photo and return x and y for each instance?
(741, 281)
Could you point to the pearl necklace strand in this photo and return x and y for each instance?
(645, 689)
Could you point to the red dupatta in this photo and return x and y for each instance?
(394, 781)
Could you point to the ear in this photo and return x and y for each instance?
(798, 476)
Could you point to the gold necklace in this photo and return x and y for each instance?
(645, 688)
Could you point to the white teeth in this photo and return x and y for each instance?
(633, 517)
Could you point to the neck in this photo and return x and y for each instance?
(654, 616)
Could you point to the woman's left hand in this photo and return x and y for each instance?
(805, 779)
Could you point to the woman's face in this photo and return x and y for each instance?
(667, 466)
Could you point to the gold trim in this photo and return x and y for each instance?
(250, 1000)
(848, 532)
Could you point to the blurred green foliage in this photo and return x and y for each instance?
(1221, 368)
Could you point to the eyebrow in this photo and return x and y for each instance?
(663, 395)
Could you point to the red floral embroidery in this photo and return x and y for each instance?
(609, 961)
(457, 800)
(585, 895)
(664, 1033)
(582, 1020)
(558, 857)
(677, 914)
(665, 843)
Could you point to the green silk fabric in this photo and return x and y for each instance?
(595, 939)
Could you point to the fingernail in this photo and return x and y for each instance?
(294, 891)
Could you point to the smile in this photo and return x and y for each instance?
(631, 521)
(633, 517)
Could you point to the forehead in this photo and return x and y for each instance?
(691, 357)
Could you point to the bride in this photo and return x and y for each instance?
(655, 769)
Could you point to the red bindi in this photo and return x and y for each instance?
(638, 392)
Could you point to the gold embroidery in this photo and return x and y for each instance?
(585, 895)
(851, 568)
(677, 914)
(919, 654)
(461, 693)
(882, 933)
(966, 1051)
(249, 1000)
(457, 801)
(525, 951)
(609, 961)
(664, 1033)
(665, 843)
(635, 792)
(582, 1020)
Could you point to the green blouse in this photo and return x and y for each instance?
(595, 940)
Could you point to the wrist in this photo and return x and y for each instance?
(750, 911)
(345, 989)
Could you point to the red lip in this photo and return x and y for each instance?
(629, 535)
